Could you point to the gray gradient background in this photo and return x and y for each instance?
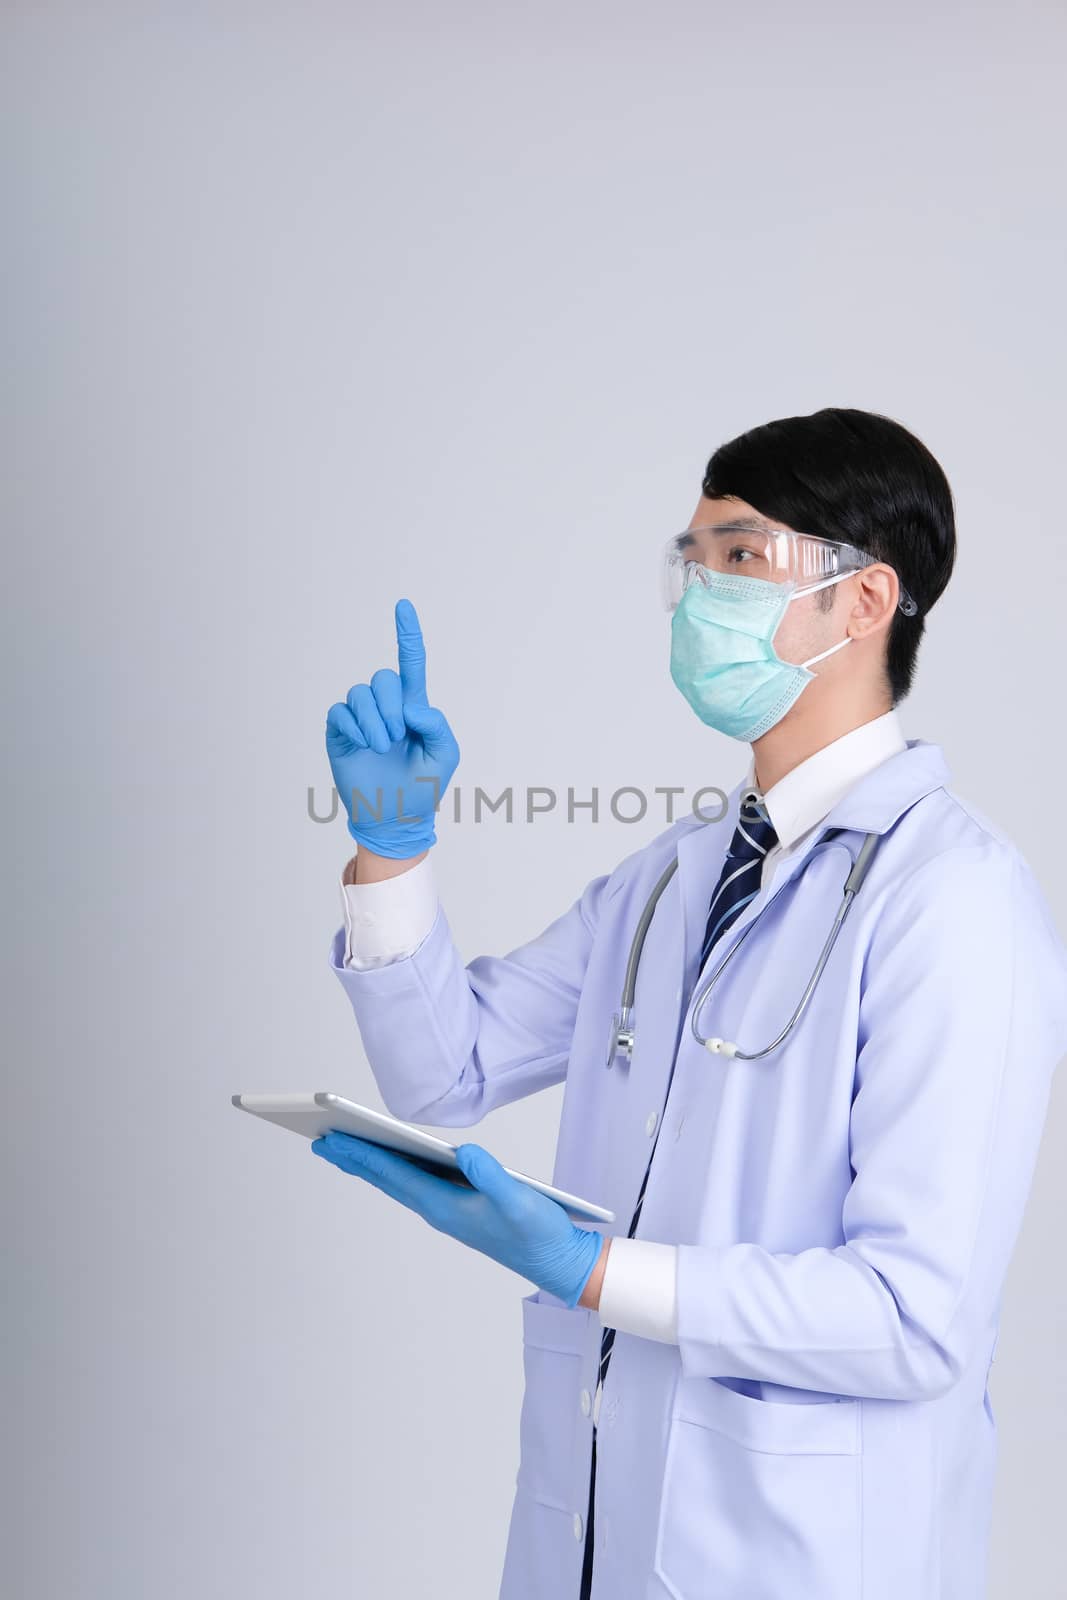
(310, 306)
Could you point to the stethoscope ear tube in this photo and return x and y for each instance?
(854, 881)
(621, 1038)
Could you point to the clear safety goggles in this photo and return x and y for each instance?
(777, 554)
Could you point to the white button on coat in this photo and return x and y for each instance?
(650, 1125)
(577, 1526)
(586, 1402)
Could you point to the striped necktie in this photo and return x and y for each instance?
(739, 882)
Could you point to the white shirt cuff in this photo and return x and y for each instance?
(387, 921)
(639, 1290)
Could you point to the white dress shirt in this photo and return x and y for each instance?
(389, 920)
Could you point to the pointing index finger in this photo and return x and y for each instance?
(411, 653)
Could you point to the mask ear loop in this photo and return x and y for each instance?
(821, 657)
(810, 589)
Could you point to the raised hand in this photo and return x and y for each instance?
(392, 754)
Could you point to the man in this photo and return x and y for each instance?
(773, 1386)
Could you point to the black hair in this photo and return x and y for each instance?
(858, 477)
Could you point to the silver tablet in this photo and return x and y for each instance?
(315, 1114)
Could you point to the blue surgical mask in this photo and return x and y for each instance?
(722, 656)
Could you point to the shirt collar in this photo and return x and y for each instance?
(800, 800)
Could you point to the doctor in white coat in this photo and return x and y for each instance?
(770, 1382)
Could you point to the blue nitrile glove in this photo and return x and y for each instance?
(391, 753)
(499, 1216)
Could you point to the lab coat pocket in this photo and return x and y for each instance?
(761, 1500)
(554, 1341)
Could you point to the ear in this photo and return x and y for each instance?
(875, 602)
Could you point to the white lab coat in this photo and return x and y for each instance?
(845, 1209)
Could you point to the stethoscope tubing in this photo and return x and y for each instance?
(853, 884)
(622, 1035)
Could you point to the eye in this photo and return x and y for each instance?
(737, 555)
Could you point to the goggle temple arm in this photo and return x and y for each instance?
(905, 603)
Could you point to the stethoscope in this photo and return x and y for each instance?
(622, 1023)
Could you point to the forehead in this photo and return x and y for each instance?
(735, 513)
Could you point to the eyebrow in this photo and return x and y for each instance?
(749, 524)
(737, 525)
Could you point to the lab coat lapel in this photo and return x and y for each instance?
(872, 806)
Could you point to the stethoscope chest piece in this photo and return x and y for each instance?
(621, 1041)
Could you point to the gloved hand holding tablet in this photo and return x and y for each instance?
(462, 1191)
